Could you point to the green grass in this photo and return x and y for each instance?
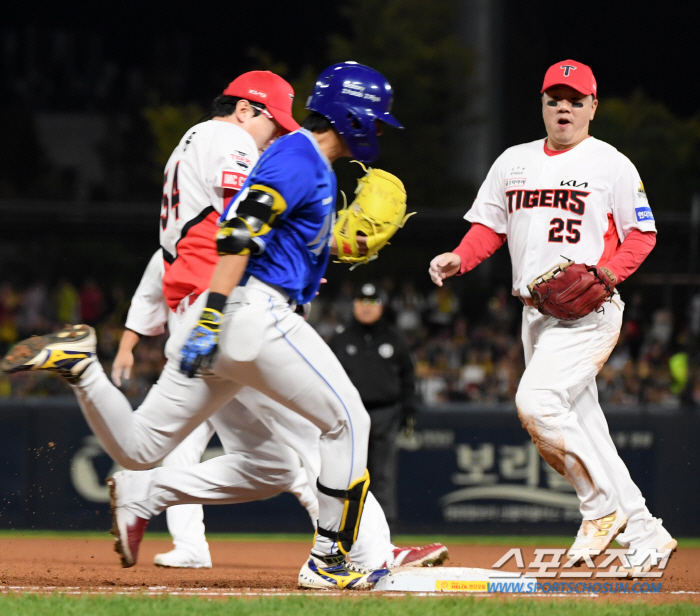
(33, 605)
(543, 541)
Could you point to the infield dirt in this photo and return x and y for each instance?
(83, 564)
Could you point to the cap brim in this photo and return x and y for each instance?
(576, 87)
(390, 120)
(285, 120)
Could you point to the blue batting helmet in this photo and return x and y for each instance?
(352, 96)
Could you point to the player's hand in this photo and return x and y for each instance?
(121, 368)
(361, 245)
(200, 348)
(443, 266)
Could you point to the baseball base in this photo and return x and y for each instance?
(448, 579)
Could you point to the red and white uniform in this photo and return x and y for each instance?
(581, 204)
(208, 167)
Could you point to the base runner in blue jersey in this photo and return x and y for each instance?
(275, 241)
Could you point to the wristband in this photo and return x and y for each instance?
(216, 301)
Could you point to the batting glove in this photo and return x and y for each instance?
(200, 348)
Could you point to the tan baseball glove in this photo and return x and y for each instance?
(377, 212)
(572, 290)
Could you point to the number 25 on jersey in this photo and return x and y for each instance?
(556, 231)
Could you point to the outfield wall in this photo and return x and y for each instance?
(465, 470)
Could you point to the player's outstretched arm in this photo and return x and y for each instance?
(200, 347)
(444, 266)
(228, 273)
(124, 361)
(148, 315)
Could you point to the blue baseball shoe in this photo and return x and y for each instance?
(67, 352)
(334, 572)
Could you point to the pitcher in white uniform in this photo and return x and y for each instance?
(574, 196)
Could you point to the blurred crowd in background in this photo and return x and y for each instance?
(457, 359)
(94, 120)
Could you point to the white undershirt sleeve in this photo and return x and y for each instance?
(629, 202)
(489, 208)
(148, 313)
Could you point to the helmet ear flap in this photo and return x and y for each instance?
(354, 122)
(359, 131)
(357, 125)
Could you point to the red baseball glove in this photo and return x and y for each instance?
(572, 290)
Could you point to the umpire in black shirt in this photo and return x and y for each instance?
(379, 363)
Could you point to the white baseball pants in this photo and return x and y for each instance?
(147, 493)
(186, 522)
(557, 401)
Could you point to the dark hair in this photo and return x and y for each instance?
(316, 123)
(225, 105)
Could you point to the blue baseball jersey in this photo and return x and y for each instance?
(296, 252)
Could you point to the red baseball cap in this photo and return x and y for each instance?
(571, 73)
(269, 89)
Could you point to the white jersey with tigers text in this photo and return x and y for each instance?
(579, 205)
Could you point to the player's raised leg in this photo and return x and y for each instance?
(174, 406)
(137, 496)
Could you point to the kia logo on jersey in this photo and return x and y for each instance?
(574, 184)
(567, 69)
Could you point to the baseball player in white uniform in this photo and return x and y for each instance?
(297, 369)
(147, 316)
(203, 173)
(569, 195)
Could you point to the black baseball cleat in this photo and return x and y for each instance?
(67, 352)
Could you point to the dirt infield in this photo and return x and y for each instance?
(82, 565)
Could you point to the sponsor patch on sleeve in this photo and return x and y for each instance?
(641, 193)
(233, 179)
(644, 214)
